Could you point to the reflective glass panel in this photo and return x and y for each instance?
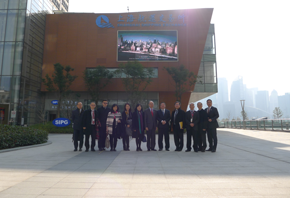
(3, 14)
(13, 4)
(3, 4)
(1, 54)
(18, 58)
(7, 66)
(20, 25)
(11, 25)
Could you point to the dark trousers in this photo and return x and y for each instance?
(192, 133)
(201, 139)
(163, 131)
(178, 138)
(212, 138)
(126, 142)
(78, 136)
(102, 138)
(113, 141)
(138, 142)
(92, 133)
(151, 139)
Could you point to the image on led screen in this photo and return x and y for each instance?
(147, 46)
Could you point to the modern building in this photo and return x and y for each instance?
(22, 31)
(283, 102)
(85, 40)
(262, 101)
(273, 101)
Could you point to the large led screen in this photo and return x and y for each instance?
(147, 46)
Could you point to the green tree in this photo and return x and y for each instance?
(59, 82)
(97, 79)
(183, 78)
(135, 78)
(277, 113)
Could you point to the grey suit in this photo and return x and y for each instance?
(151, 123)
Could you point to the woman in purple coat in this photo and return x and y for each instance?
(138, 125)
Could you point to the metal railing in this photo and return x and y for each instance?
(270, 125)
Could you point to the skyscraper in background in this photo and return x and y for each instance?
(273, 101)
(262, 100)
(222, 95)
(237, 94)
(283, 103)
(22, 30)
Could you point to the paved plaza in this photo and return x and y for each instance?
(246, 164)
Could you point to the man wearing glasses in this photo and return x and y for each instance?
(89, 125)
(103, 112)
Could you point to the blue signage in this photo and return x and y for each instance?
(61, 122)
(54, 102)
(103, 22)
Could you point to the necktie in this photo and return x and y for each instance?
(93, 118)
(208, 110)
(175, 114)
(152, 112)
(192, 113)
(163, 111)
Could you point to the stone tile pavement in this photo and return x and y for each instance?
(246, 164)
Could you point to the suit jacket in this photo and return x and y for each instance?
(180, 117)
(165, 117)
(202, 124)
(103, 115)
(213, 114)
(149, 120)
(195, 120)
(77, 119)
(87, 119)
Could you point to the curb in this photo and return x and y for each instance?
(25, 147)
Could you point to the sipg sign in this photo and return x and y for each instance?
(61, 122)
(54, 102)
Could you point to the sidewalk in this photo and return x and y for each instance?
(247, 164)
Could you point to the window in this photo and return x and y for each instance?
(11, 25)
(8, 58)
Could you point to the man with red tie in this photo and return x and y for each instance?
(89, 126)
(150, 123)
(192, 119)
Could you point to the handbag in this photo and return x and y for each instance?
(107, 143)
(144, 139)
(129, 131)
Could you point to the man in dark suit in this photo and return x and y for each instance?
(202, 126)
(150, 123)
(103, 112)
(163, 117)
(192, 119)
(212, 115)
(89, 125)
(178, 120)
(78, 135)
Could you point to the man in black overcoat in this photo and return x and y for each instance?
(78, 136)
(212, 116)
(103, 112)
(202, 126)
(178, 122)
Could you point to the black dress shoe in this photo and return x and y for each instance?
(115, 150)
(167, 149)
(137, 149)
(80, 149)
(128, 149)
(179, 150)
(75, 150)
(87, 150)
(112, 150)
(187, 150)
(140, 149)
(176, 149)
(209, 149)
(196, 151)
(213, 151)
(148, 149)
(93, 150)
(160, 149)
(153, 150)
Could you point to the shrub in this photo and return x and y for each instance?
(50, 128)
(15, 136)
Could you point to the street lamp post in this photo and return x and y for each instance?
(243, 111)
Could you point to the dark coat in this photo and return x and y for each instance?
(77, 119)
(149, 120)
(195, 120)
(124, 123)
(202, 124)
(165, 117)
(180, 117)
(103, 115)
(135, 126)
(87, 119)
(213, 114)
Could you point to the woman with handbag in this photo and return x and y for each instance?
(138, 126)
(126, 126)
(114, 121)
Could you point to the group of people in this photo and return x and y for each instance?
(109, 123)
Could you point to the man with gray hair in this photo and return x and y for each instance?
(191, 120)
(150, 123)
